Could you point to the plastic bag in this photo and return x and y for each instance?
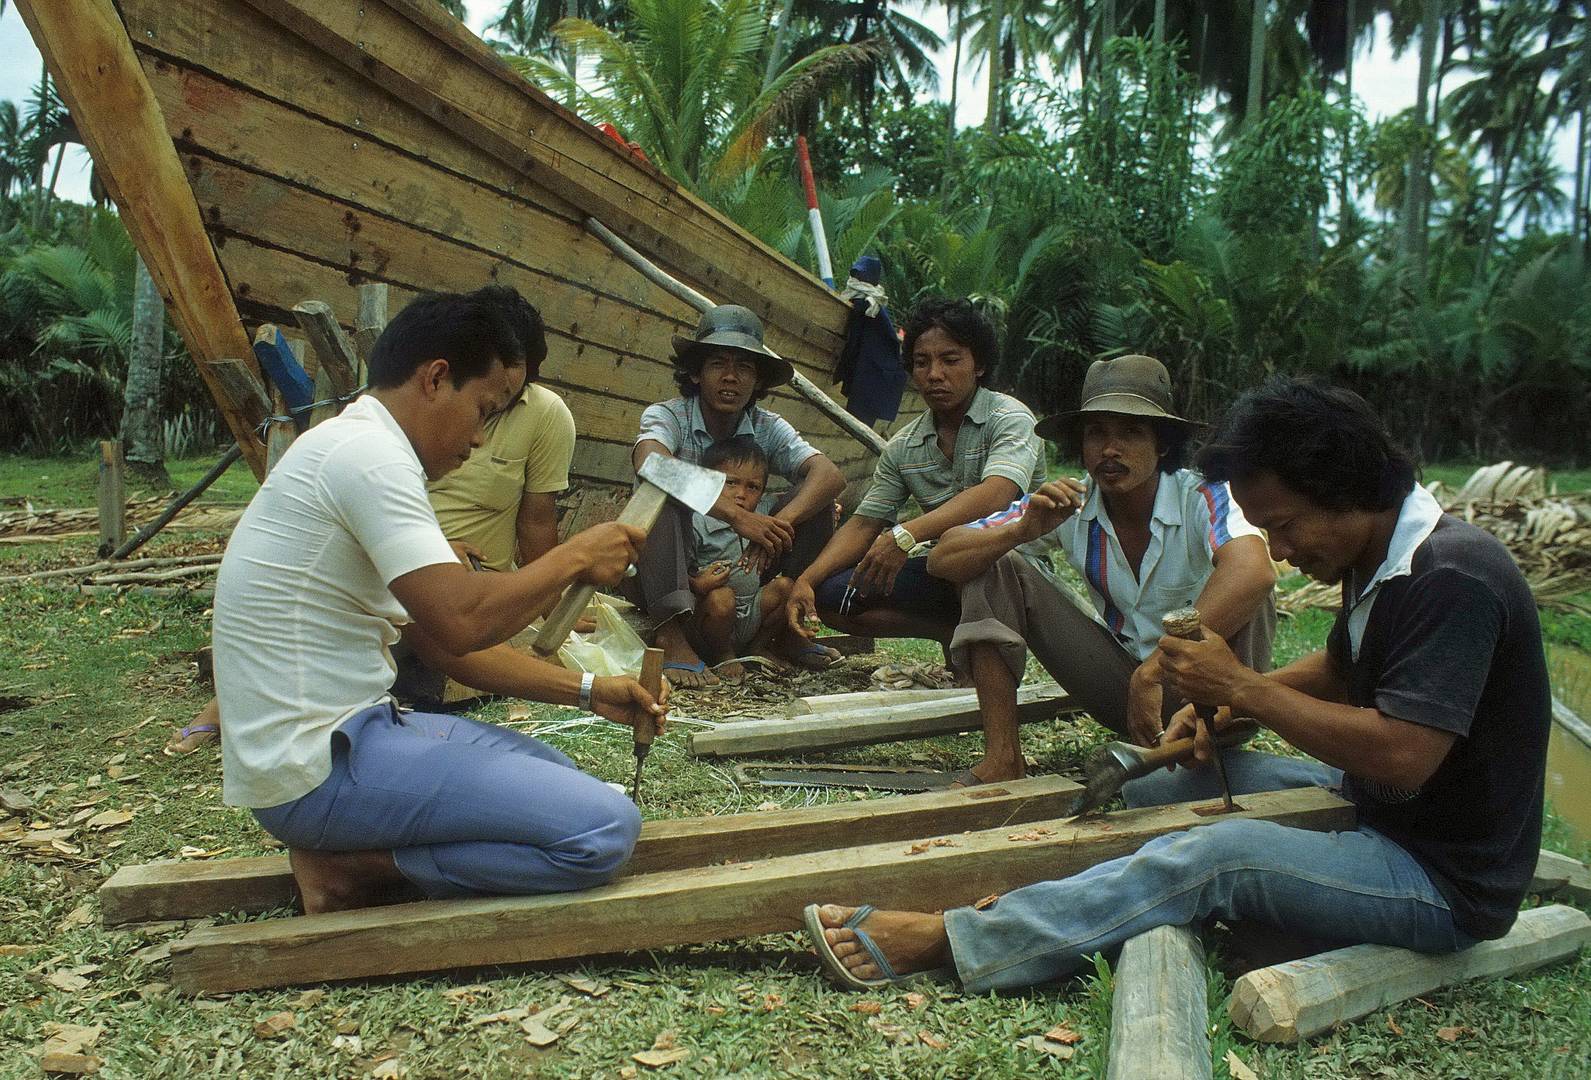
(611, 649)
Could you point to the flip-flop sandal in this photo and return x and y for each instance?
(966, 778)
(836, 967)
(698, 668)
(171, 748)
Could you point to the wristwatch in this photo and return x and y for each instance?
(587, 680)
(903, 539)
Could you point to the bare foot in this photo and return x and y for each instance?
(683, 667)
(910, 940)
(993, 772)
(340, 880)
(730, 671)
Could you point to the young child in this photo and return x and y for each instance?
(736, 613)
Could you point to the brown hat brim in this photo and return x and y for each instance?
(1056, 426)
(772, 370)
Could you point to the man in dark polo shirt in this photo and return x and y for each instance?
(1429, 706)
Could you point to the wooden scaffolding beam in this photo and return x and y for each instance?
(86, 48)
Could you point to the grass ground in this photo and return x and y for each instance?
(91, 686)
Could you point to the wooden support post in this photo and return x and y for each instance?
(1296, 1000)
(368, 324)
(1159, 1020)
(86, 48)
(112, 492)
(239, 382)
(330, 345)
(866, 727)
(681, 907)
(192, 890)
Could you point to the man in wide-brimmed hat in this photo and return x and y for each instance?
(722, 370)
(1147, 535)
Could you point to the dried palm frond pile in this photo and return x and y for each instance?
(1547, 532)
(28, 524)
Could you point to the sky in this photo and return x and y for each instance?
(1383, 83)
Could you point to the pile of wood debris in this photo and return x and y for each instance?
(1548, 532)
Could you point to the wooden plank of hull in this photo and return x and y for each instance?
(683, 907)
(502, 114)
(193, 890)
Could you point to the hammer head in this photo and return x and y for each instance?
(696, 487)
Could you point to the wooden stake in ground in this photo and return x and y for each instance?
(112, 494)
(1296, 1000)
(682, 907)
(1159, 1015)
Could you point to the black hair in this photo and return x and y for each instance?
(1323, 441)
(688, 368)
(471, 331)
(527, 324)
(737, 450)
(1173, 441)
(964, 324)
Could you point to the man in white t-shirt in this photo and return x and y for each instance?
(340, 554)
(1147, 535)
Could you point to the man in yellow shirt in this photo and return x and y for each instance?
(500, 505)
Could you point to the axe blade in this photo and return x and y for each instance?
(696, 487)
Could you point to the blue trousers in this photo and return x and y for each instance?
(1352, 887)
(466, 807)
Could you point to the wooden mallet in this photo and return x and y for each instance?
(1185, 623)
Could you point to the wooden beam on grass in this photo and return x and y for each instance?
(682, 907)
(858, 700)
(868, 726)
(1293, 1001)
(1159, 1015)
(193, 890)
(87, 50)
(1559, 875)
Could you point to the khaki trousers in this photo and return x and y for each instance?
(1015, 607)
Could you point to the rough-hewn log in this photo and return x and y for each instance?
(876, 699)
(681, 907)
(86, 48)
(189, 890)
(1302, 998)
(1559, 875)
(865, 727)
(1159, 1019)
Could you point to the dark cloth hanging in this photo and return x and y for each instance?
(869, 368)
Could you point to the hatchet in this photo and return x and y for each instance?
(661, 478)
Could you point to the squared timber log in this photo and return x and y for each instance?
(193, 890)
(682, 907)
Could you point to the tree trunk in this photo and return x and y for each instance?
(1419, 176)
(1256, 65)
(1107, 88)
(1160, 22)
(950, 120)
(1344, 206)
(141, 434)
(991, 119)
(1582, 204)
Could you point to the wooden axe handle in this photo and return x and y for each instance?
(641, 511)
(1179, 750)
(652, 679)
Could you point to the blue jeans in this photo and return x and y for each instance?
(916, 592)
(467, 808)
(1352, 887)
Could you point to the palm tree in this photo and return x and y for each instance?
(14, 169)
(684, 81)
(1537, 193)
(901, 46)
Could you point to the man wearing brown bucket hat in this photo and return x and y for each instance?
(722, 370)
(1147, 535)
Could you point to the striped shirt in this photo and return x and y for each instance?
(995, 439)
(1191, 520)
(678, 425)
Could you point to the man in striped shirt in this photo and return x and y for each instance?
(1147, 535)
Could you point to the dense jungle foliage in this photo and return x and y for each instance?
(1196, 181)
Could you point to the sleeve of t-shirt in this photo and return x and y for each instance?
(1439, 650)
(382, 502)
(1219, 517)
(787, 451)
(547, 462)
(887, 492)
(1013, 448)
(659, 424)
